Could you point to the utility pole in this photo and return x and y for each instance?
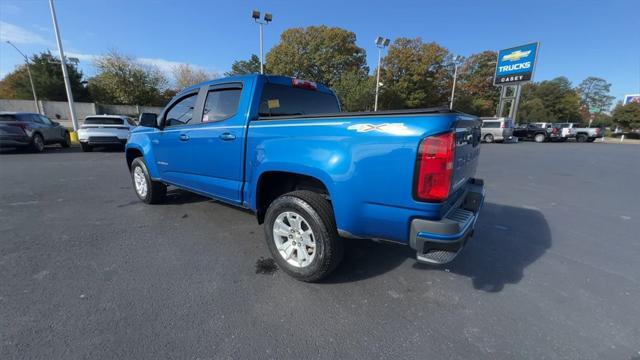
(455, 76)
(267, 19)
(65, 73)
(381, 43)
(33, 88)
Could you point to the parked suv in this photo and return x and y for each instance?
(22, 129)
(105, 130)
(496, 129)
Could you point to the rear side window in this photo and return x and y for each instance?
(221, 104)
(491, 124)
(103, 121)
(7, 118)
(282, 100)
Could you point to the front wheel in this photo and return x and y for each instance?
(539, 138)
(488, 138)
(301, 235)
(149, 191)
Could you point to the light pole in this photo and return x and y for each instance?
(33, 88)
(65, 73)
(455, 76)
(381, 43)
(255, 14)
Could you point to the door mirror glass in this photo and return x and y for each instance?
(148, 120)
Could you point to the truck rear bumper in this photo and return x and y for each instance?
(440, 241)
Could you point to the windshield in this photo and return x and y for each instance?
(103, 121)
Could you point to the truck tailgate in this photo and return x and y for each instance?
(467, 151)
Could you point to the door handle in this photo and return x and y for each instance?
(227, 136)
(184, 137)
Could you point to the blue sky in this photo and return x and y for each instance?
(578, 38)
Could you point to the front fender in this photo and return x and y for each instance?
(141, 141)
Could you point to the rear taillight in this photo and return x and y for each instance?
(435, 167)
(503, 125)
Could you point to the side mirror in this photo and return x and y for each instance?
(148, 120)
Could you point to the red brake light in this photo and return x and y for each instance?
(502, 125)
(304, 84)
(435, 167)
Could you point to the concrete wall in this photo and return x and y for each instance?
(59, 110)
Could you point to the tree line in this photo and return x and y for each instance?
(413, 74)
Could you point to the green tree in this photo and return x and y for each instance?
(594, 94)
(475, 92)
(415, 74)
(122, 80)
(316, 53)
(550, 101)
(627, 116)
(242, 67)
(356, 91)
(47, 80)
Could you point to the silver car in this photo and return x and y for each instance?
(496, 129)
(105, 130)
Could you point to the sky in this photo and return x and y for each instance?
(577, 38)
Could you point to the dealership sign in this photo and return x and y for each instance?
(515, 65)
(628, 99)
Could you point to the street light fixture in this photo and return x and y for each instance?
(268, 17)
(33, 89)
(381, 43)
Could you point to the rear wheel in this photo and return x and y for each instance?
(539, 138)
(301, 235)
(488, 138)
(86, 147)
(148, 190)
(37, 143)
(581, 138)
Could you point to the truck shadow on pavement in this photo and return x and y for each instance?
(507, 240)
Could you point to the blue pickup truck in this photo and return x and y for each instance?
(313, 175)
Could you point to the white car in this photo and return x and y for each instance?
(105, 130)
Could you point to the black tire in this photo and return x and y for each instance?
(37, 143)
(86, 147)
(488, 138)
(581, 138)
(539, 138)
(318, 213)
(156, 191)
(67, 140)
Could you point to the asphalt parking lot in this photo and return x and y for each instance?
(88, 271)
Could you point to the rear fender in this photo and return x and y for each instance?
(142, 143)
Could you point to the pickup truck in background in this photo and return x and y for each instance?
(538, 132)
(581, 134)
(314, 175)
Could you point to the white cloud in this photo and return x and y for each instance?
(20, 35)
(164, 65)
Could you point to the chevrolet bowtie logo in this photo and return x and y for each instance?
(516, 55)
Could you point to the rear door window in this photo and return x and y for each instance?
(282, 100)
(221, 104)
(491, 124)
